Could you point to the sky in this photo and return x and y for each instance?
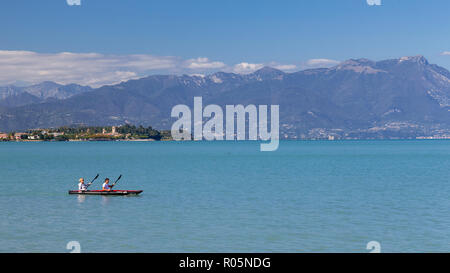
(97, 42)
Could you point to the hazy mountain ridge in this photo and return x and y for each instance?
(13, 96)
(405, 97)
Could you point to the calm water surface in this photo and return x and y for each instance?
(309, 196)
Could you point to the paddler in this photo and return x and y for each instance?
(106, 186)
(81, 185)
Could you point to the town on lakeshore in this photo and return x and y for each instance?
(111, 133)
(139, 133)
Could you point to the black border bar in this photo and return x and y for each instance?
(222, 262)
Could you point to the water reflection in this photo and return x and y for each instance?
(81, 198)
(105, 200)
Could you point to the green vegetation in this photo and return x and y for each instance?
(85, 133)
(139, 132)
(166, 135)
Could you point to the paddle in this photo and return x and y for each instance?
(116, 181)
(87, 186)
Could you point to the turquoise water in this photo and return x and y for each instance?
(309, 196)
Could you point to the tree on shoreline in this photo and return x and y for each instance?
(66, 133)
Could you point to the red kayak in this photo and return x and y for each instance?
(101, 192)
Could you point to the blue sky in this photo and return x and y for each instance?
(201, 36)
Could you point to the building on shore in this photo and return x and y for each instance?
(18, 136)
(56, 134)
(113, 132)
(33, 137)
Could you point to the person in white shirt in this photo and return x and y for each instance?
(106, 186)
(81, 185)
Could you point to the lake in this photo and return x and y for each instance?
(308, 196)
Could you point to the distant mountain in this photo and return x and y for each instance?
(13, 96)
(359, 98)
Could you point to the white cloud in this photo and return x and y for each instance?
(445, 53)
(97, 69)
(90, 68)
(244, 68)
(285, 67)
(203, 63)
(319, 63)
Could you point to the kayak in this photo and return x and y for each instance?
(100, 192)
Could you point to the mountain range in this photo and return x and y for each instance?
(398, 98)
(13, 96)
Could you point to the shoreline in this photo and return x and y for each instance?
(90, 140)
(171, 140)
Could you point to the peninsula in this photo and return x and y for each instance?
(92, 133)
